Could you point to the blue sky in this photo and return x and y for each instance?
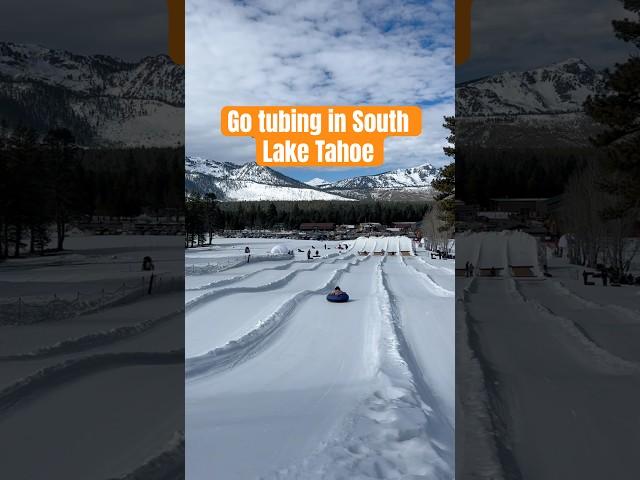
(309, 52)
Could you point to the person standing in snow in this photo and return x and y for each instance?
(147, 265)
(308, 254)
(604, 277)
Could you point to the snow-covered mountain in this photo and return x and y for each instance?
(539, 108)
(401, 184)
(102, 99)
(559, 88)
(230, 181)
(316, 182)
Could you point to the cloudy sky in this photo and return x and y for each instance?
(334, 52)
(123, 28)
(513, 35)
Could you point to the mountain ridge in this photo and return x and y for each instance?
(104, 100)
(252, 182)
(561, 87)
(530, 109)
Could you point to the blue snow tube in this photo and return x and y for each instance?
(341, 298)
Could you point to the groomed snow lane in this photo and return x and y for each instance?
(295, 391)
(569, 413)
(236, 312)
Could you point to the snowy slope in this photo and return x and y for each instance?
(247, 182)
(300, 388)
(530, 367)
(66, 377)
(104, 100)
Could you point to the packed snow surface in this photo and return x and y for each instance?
(282, 384)
(90, 363)
(549, 368)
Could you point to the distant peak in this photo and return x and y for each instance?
(569, 61)
(316, 182)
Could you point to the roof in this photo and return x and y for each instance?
(541, 199)
(317, 226)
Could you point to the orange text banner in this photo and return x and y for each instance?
(321, 136)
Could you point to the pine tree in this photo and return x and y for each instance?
(445, 183)
(620, 112)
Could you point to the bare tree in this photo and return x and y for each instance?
(435, 229)
(596, 238)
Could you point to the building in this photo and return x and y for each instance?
(369, 227)
(495, 215)
(317, 227)
(405, 227)
(466, 213)
(524, 207)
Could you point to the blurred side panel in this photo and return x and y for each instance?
(91, 245)
(548, 277)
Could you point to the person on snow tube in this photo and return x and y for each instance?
(338, 296)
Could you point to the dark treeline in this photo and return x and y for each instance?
(48, 182)
(205, 215)
(484, 173)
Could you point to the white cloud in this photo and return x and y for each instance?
(521, 34)
(275, 52)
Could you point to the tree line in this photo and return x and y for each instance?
(48, 182)
(485, 173)
(601, 204)
(204, 215)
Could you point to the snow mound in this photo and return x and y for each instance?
(280, 250)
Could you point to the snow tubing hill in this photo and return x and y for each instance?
(343, 297)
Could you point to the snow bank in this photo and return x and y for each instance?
(598, 356)
(226, 263)
(433, 286)
(478, 445)
(280, 250)
(259, 288)
(92, 340)
(52, 376)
